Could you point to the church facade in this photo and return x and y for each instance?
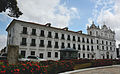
(46, 41)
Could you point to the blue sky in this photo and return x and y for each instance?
(75, 14)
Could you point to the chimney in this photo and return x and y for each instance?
(80, 31)
(48, 24)
(66, 28)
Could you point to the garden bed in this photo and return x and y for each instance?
(53, 67)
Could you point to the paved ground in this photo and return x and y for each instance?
(108, 70)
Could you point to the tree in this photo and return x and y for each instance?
(12, 6)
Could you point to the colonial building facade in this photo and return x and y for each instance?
(45, 41)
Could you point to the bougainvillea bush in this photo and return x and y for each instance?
(51, 67)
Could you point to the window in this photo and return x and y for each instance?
(78, 46)
(42, 33)
(56, 35)
(83, 55)
(24, 30)
(56, 45)
(88, 55)
(78, 39)
(106, 43)
(73, 38)
(88, 47)
(103, 47)
(74, 46)
(49, 54)
(110, 48)
(62, 36)
(23, 41)
(56, 54)
(91, 41)
(97, 42)
(92, 56)
(106, 47)
(83, 40)
(92, 48)
(49, 44)
(41, 55)
(102, 42)
(97, 47)
(32, 52)
(68, 45)
(83, 47)
(41, 43)
(23, 53)
(33, 42)
(79, 55)
(62, 45)
(68, 37)
(49, 35)
(87, 40)
(110, 43)
(90, 33)
(33, 31)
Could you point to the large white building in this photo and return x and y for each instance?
(45, 41)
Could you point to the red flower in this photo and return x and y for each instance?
(3, 71)
(18, 70)
(3, 66)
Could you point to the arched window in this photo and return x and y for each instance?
(90, 32)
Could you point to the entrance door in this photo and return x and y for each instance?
(41, 55)
(23, 53)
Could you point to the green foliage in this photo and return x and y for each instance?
(12, 6)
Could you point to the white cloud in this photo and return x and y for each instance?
(44, 11)
(3, 40)
(108, 11)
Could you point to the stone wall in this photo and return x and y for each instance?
(13, 54)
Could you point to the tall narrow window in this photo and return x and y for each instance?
(83, 40)
(56, 35)
(68, 45)
(97, 47)
(79, 55)
(88, 47)
(83, 47)
(91, 41)
(62, 36)
(87, 40)
(56, 45)
(78, 39)
(74, 47)
(49, 44)
(33, 31)
(62, 46)
(49, 54)
(68, 38)
(24, 30)
(74, 38)
(103, 47)
(41, 43)
(49, 35)
(102, 42)
(92, 49)
(56, 54)
(78, 46)
(23, 41)
(83, 55)
(97, 42)
(42, 33)
(33, 42)
(23, 53)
